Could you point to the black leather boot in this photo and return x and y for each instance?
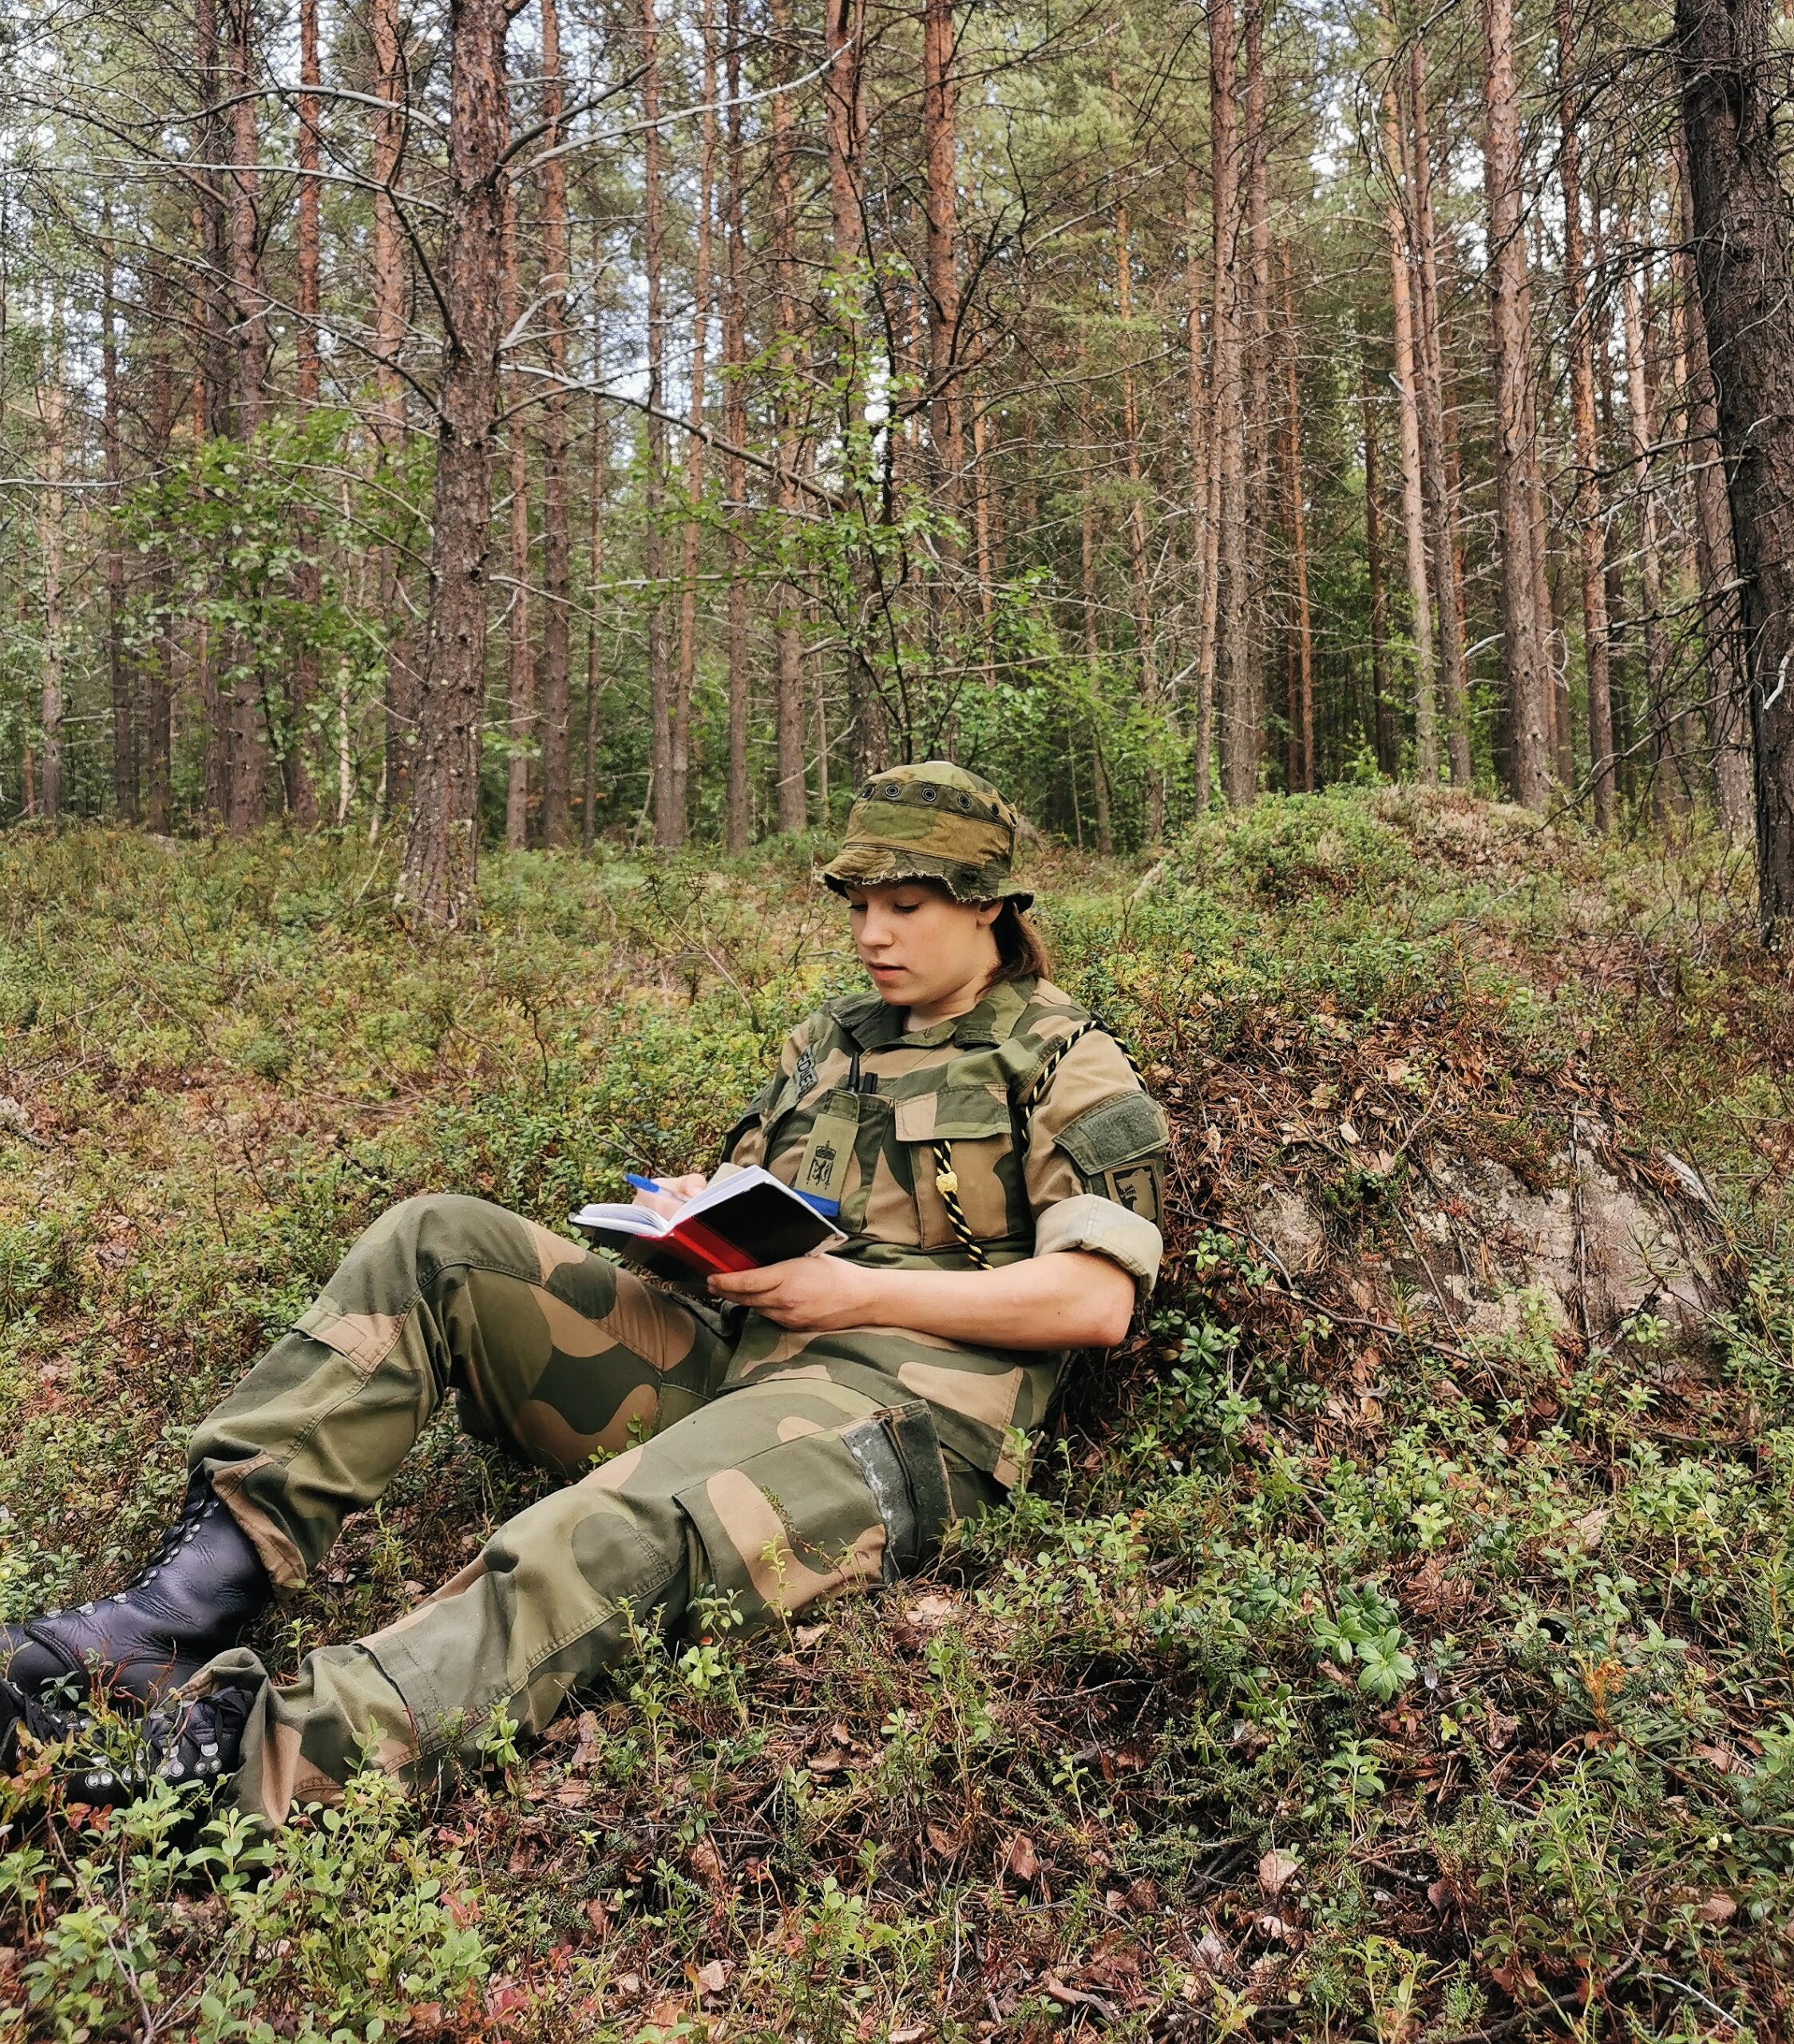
(201, 1739)
(189, 1601)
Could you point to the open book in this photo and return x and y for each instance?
(737, 1222)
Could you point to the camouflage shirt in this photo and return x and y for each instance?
(855, 1109)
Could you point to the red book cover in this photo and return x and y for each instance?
(705, 1246)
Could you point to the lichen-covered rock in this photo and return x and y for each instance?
(1588, 1249)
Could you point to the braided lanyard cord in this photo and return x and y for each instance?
(947, 1184)
(946, 1178)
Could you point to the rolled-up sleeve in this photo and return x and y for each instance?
(1095, 1171)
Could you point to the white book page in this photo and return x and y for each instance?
(627, 1220)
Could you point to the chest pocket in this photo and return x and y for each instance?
(975, 1124)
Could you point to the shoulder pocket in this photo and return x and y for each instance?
(1115, 1132)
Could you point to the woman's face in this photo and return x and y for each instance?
(925, 951)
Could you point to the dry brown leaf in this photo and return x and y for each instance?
(598, 1917)
(1022, 1863)
(1211, 1955)
(1717, 1909)
(712, 1978)
(942, 1840)
(1276, 1872)
(1347, 1133)
(911, 2033)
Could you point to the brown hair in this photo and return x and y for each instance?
(1020, 952)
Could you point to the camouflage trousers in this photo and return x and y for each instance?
(775, 1492)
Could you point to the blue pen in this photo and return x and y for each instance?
(641, 1185)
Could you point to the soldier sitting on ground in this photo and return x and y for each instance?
(812, 1428)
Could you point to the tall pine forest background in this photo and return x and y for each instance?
(638, 422)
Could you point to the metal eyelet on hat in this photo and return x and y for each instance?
(930, 792)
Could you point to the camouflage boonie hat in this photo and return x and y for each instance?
(932, 821)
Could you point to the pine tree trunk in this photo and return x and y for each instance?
(1139, 567)
(1258, 511)
(1382, 726)
(209, 220)
(941, 149)
(787, 625)
(120, 674)
(1429, 352)
(1741, 248)
(669, 818)
(392, 85)
(1239, 747)
(519, 705)
(308, 586)
(52, 410)
(1414, 523)
(554, 684)
(246, 784)
(1641, 437)
(1302, 720)
(844, 50)
(1590, 538)
(1204, 483)
(1523, 636)
(159, 673)
(694, 442)
(738, 825)
(1715, 564)
(437, 877)
(1086, 590)
(597, 476)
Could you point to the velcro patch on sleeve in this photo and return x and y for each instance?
(1121, 1130)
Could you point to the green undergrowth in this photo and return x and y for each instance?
(1343, 1674)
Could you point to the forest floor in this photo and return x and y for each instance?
(1385, 1648)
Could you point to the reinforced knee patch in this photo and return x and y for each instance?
(899, 1455)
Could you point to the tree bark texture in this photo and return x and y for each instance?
(1429, 351)
(1591, 543)
(1302, 669)
(941, 149)
(120, 675)
(1741, 244)
(554, 684)
(295, 765)
(519, 679)
(669, 819)
(1239, 756)
(1715, 563)
(1382, 724)
(1523, 636)
(687, 669)
(787, 625)
(392, 86)
(1140, 570)
(53, 413)
(437, 877)
(1414, 521)
(1204, 483)
(739, 824)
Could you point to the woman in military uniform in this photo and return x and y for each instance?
(811, 1428)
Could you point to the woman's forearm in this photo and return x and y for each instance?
(1067, 1299)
